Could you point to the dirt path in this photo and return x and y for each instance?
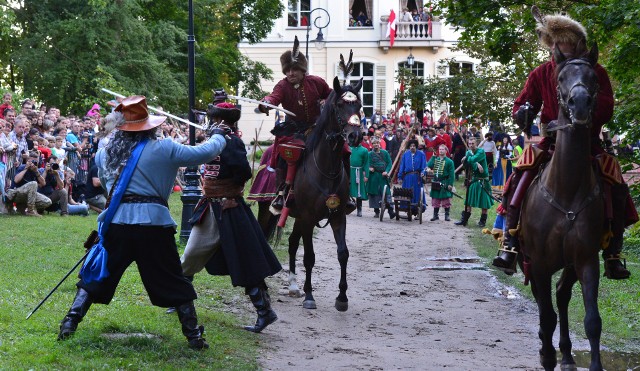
(403, 314)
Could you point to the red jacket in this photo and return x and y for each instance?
(541, 88)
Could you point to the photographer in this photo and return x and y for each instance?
(53, 186)
(24, 188)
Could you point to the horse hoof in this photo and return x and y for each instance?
(309, 304)
(568, 367)
(342, 306)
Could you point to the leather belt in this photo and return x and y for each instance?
(140, 199)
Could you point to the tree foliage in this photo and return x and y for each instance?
(63, 52)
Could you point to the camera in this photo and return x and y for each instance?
(55, 166)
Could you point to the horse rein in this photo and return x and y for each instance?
(564, 105)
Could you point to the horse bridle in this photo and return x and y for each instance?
(349, 98)
(565, 106)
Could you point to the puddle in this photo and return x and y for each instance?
(453, 263)
(610, 360)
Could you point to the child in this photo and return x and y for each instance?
(58, 151)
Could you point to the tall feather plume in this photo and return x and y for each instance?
(296, 50)
(347, 69)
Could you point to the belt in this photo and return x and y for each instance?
(413, 172)
(139, 199)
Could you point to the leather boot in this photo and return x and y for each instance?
(171, 310)
(446, 214)
(483, 220)
(436, 210)
(377, 213)
(464, 218)
(615, 267)
(190, 329)
(78, 310)
(359, 206)
(262, 302)
(506, 260)
(278, 202)
(391, 211)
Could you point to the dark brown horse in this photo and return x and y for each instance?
(322, 186)
(563, 219)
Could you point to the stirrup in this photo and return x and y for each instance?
(607, 271)
(509, 265)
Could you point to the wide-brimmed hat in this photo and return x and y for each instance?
(558, 28)
(293, 58)
(226, 111)
(136, 114)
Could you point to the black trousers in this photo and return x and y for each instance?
(154, 250)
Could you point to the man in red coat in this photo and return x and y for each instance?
(304, 95)
(539, 93)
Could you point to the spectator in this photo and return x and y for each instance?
(503, 164)
(19, 137)
(53, 186)
(24, 188)
(10, 115)
(362, 19)
(366, 141)
(6, 103)
(94, 193)
(6, 145)
(490, 150)
(75, 208)
(74, 137)
(58, 150)
(393, 144)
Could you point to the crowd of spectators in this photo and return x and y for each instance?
(46, 159)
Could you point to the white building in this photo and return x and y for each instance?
(376, 61)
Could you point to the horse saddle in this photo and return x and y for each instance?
(531, 158)
(609, 168)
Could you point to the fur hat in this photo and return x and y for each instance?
(293, 58)
(226, 111)
(558, 28)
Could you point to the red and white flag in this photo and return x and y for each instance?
(391, 28)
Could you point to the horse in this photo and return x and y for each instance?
(322, 186)
(568, 194)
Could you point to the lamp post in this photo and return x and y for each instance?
(191, 192)
(319, 41)
(410, 59)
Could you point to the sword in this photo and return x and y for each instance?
(262, 103)
(452, 192)
(157, 110)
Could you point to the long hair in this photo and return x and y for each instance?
(121, 146)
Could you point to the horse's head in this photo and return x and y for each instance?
(347, 107)
(577, 86)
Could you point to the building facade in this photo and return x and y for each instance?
(361, 26)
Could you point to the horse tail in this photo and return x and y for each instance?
(270, 232)
(279, 232)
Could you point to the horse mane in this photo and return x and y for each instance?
(321, 122)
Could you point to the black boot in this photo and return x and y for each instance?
(436, 210)
(446, 214)
(278, 202)
(377, 212)
(171, 310)
(359, 206)
(78, 309)
(483, 220)
(266, 316)
(464, 218)
(506, 260)
(392, 213)
(190, 329)
(615, 267)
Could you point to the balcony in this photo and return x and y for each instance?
(412, 34)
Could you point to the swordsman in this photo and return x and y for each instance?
(226, 238)
(479, 189)
(441, 166)
(540, 95)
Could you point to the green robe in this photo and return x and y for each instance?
(359, 171)
(479, 191)
(380, 162)
(443, 172)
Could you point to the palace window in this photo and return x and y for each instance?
(298, 13)
(417, 68)
(367, 93)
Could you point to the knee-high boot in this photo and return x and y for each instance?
(464, 218)
(78, 310)
(359, 206)
(483, 220)
(391, 211)
(436, 211)
(614, 265)
(506, 259)
(190, 329)
(262, 302)
(446, 214)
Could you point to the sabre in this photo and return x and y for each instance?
(157, 110)
(262, 103)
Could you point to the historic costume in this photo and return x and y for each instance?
(379, 167)
(226, 238)
(263, 190)
(442, 183)
(359, 175)
(540, 93)
(411, 166)
(140, 228)
(479, 189)
(503, 168)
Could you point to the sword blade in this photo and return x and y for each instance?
(262, 103)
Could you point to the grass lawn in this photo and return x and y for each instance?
(35, 253)
(619, 301)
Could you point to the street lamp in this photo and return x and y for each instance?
(410, 59)
(191, 192)
(319, 41)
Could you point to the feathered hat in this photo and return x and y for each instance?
(226, 111)
(293, 58)
(558, 28)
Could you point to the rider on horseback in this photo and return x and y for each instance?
(303, 95)
(540, 92)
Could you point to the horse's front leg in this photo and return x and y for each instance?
(339, 226)
(563, 297)
(294, 243)
(548, 319)
(589, 277)
(309, 261)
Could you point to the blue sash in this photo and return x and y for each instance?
(95, 266)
